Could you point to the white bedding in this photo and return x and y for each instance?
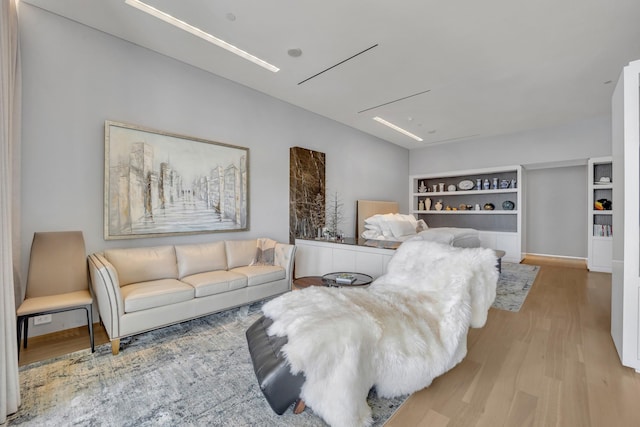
(459, 237)
(400, 228)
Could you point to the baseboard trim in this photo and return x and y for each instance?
(566, 261)
(556, 256)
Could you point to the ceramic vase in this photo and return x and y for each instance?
(427, 204)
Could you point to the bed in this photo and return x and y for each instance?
(381, 221)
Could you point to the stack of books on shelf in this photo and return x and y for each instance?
(602, 230)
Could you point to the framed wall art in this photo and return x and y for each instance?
(158, 184)
(306, 192)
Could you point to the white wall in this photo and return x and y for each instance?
(75, 78)
(557, 212)
(548, 155)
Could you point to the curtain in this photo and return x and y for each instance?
(10, 108)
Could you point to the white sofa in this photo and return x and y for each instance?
(140, 289)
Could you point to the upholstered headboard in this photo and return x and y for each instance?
(367, 208)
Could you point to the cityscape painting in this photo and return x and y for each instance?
(159, 184)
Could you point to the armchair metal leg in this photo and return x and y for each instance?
(26, 331)
(19, 325)
(89, 309)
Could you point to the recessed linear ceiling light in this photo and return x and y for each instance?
(397, 128)
(199, 33)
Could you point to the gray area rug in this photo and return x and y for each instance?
(197, 373)
(191, 374)
(513, 285)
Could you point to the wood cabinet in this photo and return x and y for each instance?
(600, 214)
(489, 200)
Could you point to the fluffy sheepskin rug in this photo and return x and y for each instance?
(407, 328)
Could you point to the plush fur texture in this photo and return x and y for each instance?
(407, 328)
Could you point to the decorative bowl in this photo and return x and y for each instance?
(466, 185)
(508, 205)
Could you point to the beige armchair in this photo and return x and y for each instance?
(57, 280)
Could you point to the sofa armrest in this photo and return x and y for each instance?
(106, 288)
(284, 257)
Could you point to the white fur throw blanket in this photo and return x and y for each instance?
(407, 328)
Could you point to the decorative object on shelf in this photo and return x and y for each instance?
(441, 187)
(605, 180)
(465, 185)
(602, 205)
(504, 183)
(462, 207)
(435, 188)
(513, 183)
(335, 215)
(439, 205)
(508, 205)
(489, 206)
(427, 204)
(495, 184)
(452, 187)
(422, 188)
(477, 206)
(420, 205)
(478, 184)
(487, 184)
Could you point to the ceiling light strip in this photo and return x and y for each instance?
(397, 128)
(163, 16)
(395, 100)
(339, 63)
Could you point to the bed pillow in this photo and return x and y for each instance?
(380, 223)
(372, 235)
(409, 218)
(421, 226)
(401, 227)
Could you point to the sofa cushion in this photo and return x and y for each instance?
(216, 282)
(194, 259)
(143, 264)
(155, 293)
(240, 252)
(259, 274)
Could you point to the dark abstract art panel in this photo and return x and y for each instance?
(306, 193)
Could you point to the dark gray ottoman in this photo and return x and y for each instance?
(280, 387)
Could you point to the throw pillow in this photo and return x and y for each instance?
(265, 252)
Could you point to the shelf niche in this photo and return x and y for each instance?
(497, 226)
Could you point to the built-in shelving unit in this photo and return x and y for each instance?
(600, 217)
(467, 196)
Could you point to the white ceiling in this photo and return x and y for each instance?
(475, 68)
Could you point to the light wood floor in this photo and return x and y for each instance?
(58, 343)
(551, 364)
